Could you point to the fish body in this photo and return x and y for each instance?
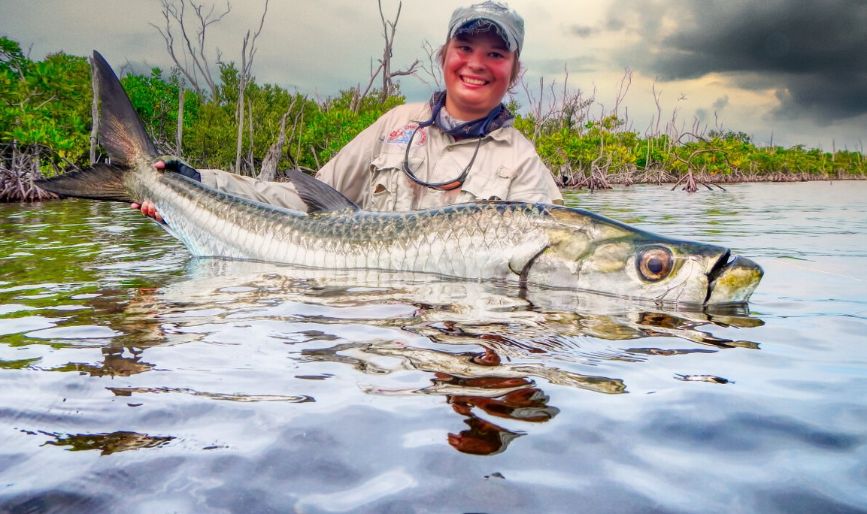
(538, 244)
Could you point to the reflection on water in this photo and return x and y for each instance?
(371, 391)
(108, 443)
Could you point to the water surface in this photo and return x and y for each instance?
(136, 379)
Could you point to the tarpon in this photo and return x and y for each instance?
(530, 243)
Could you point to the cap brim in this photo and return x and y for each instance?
(473, 26)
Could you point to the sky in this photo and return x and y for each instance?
(785, 72)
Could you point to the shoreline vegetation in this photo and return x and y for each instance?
(46, 129)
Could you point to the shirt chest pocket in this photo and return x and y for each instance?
(485, 185)
(389, 189)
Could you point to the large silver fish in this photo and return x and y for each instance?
(529, 243)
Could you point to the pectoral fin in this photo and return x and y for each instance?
(317, 195)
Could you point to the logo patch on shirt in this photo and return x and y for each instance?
(402, 136)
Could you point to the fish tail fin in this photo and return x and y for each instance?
(121, 131)
(102, 182)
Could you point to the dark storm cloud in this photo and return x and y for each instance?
(813, 54)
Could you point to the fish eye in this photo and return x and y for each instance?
(654, 264)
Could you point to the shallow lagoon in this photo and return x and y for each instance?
(136, 379)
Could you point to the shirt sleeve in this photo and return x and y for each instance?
(281, 194)
(533, 181)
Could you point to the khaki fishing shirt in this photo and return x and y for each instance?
(369, 169)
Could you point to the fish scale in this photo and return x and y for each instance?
(405, 242)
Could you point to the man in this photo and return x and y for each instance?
(458, 147)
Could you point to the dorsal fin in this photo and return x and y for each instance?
(317, 195)
(121, 132)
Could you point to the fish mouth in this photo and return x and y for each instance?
(732, 280)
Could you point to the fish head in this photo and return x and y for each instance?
(589, 252)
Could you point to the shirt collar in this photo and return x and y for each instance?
(498, 117)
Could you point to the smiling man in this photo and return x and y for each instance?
(458, 147)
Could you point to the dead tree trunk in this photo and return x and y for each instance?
(272, 158)
(248, 53)
(269, 163)
(94, 114)
(239, 112)
(179, 136)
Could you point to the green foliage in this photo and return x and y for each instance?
(333, 125)
(11, 57)
(45, 103)
(210, 138)
(156, 101)
(48, 103)
(600, 143)
(605, 144)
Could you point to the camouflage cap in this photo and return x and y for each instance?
(508, 23)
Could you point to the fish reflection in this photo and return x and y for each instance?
(366, 358)
(489, 350)
(474, 384)
(129, 391)
(534, 320)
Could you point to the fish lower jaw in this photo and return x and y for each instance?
(734, 282)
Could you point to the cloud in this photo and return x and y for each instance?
(811, 54)
(612, 24)
(582, 64)
(721, 103)
(582, 31)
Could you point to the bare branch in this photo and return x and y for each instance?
(431, 68)
(359, 96)
(190, 58)
(623, 88)
(389, 27)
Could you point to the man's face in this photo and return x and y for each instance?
(477, 70)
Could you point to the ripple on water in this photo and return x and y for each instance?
(133, 376)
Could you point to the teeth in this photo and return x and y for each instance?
(474, 82)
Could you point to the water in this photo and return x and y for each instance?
(135, 379)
